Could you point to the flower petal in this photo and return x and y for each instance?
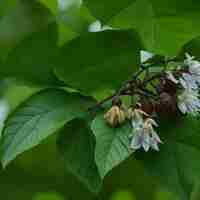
(136, 142)
(146, 142)
(154, 144)
(171, 77)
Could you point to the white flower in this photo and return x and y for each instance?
(189, 59)
(171, 77)
(194, 67)
(97, 27)
(194, 70)
(188, 81)
(137, 117)
(145, 136)
(188, 102)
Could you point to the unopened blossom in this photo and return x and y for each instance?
(115, 116)
(98, 27)
(188, 81)
(189, 102)
(145, 136)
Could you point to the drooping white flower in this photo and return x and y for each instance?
(171, 77)
(98, 27)
(189, 102)
(188, 82)
(136, 117)
(145, 136)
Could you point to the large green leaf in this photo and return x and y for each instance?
(27, 17)
(32, 59)
(76, 144)
(112, 145)
(177, 164)
(164, 25)
(30, 51)
(41, 115)
(98, 61)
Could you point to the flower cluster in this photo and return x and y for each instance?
(188, 99)
(172, 91)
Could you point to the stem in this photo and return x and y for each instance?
(132, 86)
(100, 103)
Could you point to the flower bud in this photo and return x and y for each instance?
(115, 116)
(167, 86)
(135, 113)
(167, 104)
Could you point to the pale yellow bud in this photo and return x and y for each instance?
(115, 116)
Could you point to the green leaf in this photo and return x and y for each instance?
(41, 115)
(72, 17)
(140, 16)
(192, 47)
(31, 60)
(112, 145)
(105, 10)
(6, 5)
(163, 25)
(97, 61)
(76, 144)
(17, 24)
(176, 166)
(177, 21)
(51, 4)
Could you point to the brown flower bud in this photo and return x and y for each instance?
(167, 86)
(115, 116)
(166, 104)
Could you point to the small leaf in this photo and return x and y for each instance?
(41, 115)
(112, 145)
(76, 144)
(96, 61)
